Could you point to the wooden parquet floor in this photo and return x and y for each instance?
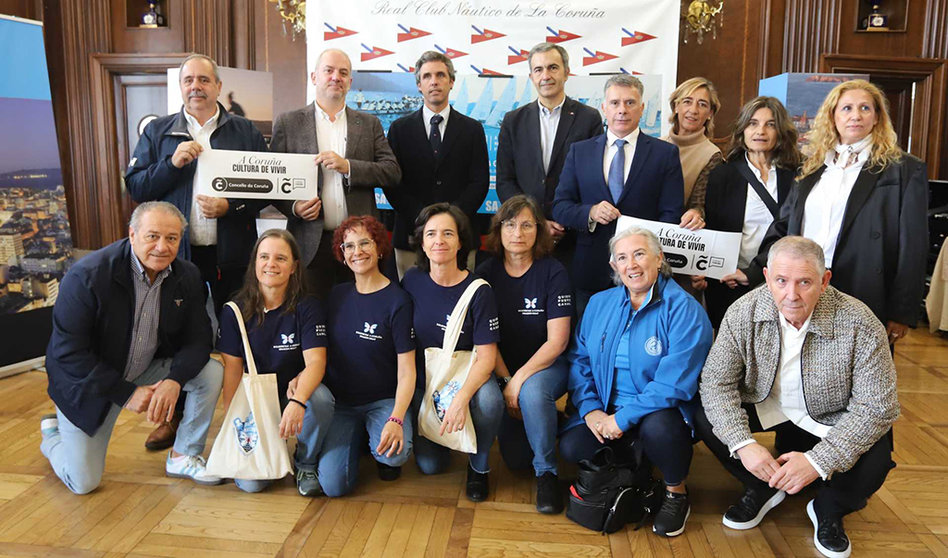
(137, 511)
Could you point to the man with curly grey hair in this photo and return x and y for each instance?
(812, 364)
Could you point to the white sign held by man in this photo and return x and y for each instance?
(248, 174)
(705, 252)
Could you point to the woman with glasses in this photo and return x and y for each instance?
(287, 334)
(371, 369)
(535, 303)
(442, 241)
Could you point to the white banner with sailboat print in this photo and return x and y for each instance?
(390, 96)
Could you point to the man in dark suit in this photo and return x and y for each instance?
(345, 185)
(534, 138)
(621, 172)
(442, 154)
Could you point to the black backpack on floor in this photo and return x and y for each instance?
(609, 492)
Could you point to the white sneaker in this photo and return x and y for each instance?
(189, 467)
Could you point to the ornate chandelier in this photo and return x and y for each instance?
(293, 14)
(701, 18)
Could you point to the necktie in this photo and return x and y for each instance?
(435, 136)
(617, 171)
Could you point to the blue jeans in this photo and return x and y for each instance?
(79, 459)
(534, 438)
(310, 440)
(487, 410)
(352, 428)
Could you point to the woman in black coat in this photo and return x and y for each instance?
(745, 194)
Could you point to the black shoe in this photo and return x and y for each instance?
(549, 496)
(750, 510)
(671, 517)
(828, 535)
(477, 485)
(387, 472)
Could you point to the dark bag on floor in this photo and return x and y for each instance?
(609, 493)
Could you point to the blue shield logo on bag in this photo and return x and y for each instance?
(442, 399)
(247, 436)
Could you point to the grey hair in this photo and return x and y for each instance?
(162, 206)
(653, 246)
(624, 80)
(798, 247)
(217, 72)
(547, 47)
(433, 56)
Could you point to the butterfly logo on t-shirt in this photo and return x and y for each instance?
(529, 303)
(369, 328)
(287, 339)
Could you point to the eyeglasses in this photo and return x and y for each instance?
(524, 226)
(363, 245)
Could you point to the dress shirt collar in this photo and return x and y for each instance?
(554, 111)
(841, 153)
(194, 124)
(323, 115)
(427, 113)
(631, 139)
(770, 172)
(139, 270)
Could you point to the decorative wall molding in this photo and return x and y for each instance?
(811, 29)
(935, 41)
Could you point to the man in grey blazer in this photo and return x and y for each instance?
(345, 184)
(812, 364)
(535, 138)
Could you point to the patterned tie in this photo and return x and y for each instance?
(435, 136)
(617, 171)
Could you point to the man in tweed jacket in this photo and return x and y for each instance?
(812, 364)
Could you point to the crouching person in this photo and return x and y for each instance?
(634, 370)
(130, 330)
(286, 331)
(812, 364)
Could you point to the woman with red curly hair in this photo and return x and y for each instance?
(371, 365)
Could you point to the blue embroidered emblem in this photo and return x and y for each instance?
(247, 436)
(442, 399)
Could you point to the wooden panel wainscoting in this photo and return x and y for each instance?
(138, 511)
(931, 89)
(812, 28)
(115, 203)
(935, 41)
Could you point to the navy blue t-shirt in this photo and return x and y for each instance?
(278, 343)
(525, 304)
(367, 332)
(433, 306)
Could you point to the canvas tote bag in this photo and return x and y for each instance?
(446, 371)
(248, 445)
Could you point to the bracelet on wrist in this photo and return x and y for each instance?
(396, 420)
(298, 402)
(502, 381)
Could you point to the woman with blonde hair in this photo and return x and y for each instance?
(693, 106)
(864, 201)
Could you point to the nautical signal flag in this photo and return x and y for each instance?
(450, 52)
(560, 36)
(374, 52)
(518, 56)
(409, 69)
(411, 33)
(635, 37)
(480, 36)
(487, 72)
(336, 32)
(596, 57)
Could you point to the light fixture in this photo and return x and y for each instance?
(702, 18)
(293, 14)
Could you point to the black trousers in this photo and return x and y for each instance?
(844, 492)
(325, 271)
(224, 281)
(666, 441)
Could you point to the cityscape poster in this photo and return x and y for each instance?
(35, 243)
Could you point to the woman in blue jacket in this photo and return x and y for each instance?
(634, 369)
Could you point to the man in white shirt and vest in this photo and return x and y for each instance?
(800, 358)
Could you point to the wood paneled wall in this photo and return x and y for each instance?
(760, 38)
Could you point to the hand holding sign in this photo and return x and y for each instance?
(332, 161)
(186, 152)
(692, 252)
(222, 173)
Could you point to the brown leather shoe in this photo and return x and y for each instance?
(162, 438)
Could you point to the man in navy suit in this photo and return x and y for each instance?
(442, 154)
(622, 172)
(534, 138)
